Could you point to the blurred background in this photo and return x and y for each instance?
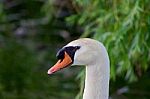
(32, 31)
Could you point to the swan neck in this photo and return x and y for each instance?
(97, 81)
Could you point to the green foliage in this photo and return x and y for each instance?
(123, 27)
(2, 15)
(31, 32)
(28, 44)
(16, 62)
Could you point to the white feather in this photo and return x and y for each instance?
(94, 56)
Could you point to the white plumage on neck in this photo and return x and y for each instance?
(97, 81)
(94, 55)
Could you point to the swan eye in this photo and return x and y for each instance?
(72, 49)
(69, 49)
(77, 47)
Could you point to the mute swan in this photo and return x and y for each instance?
(94, 56)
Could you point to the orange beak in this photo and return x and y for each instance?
(61, 64)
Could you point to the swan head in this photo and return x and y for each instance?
(83, 51)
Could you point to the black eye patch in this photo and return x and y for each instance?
(60, 54)
(70, 50)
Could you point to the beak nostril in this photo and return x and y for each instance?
(61, 60)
